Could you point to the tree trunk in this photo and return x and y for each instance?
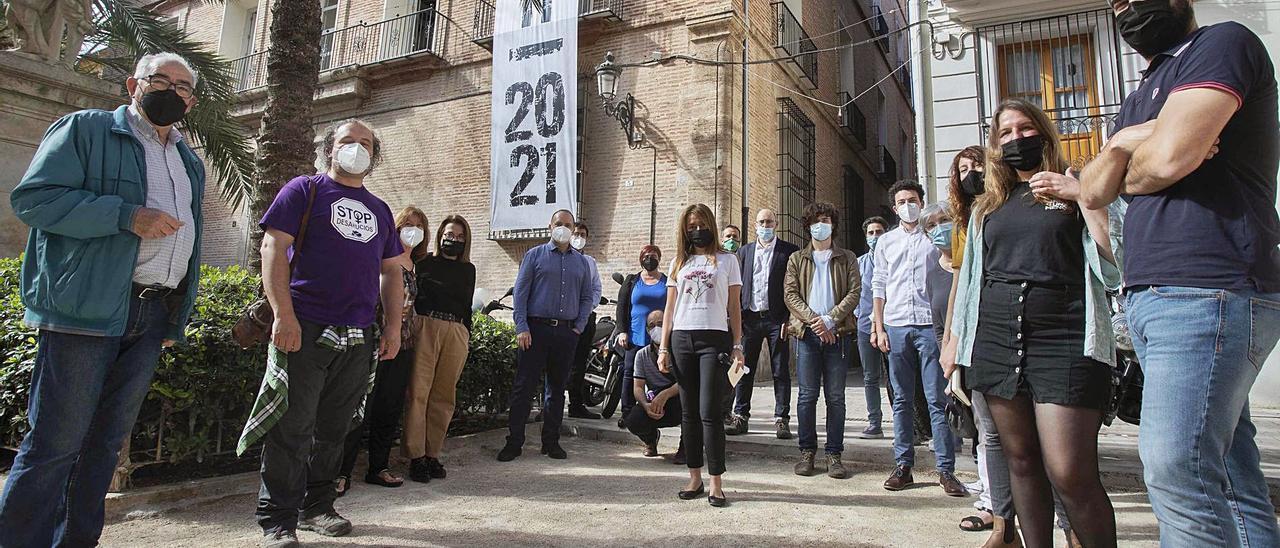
(285, 141)
(124, 469)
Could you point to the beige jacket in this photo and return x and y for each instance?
(846, 284)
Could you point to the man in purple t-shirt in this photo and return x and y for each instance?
(324, 317)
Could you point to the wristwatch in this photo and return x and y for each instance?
(663, 350)
(737, 347)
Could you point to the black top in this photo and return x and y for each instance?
(1217, 227)
(445, 286)
(1023, 241)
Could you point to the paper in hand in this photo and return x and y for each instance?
(735, 375)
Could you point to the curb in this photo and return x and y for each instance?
(158, 499)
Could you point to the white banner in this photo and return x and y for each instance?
(533, 144)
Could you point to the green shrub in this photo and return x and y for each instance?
(17, 356)
(485, 385)
(203, 391)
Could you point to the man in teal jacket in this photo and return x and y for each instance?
(109, 278)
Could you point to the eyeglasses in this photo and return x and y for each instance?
(160, 82)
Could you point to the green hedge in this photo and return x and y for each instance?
(203, 391)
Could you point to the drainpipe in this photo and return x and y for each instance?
(746, 34)
(922, 96)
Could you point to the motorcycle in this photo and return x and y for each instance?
(604, 363)
(497, 303)
(1126, 377)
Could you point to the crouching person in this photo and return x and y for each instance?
(657, 395)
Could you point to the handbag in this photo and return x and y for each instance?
(254, 326)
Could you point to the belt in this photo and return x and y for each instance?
(552, 322)
(763, 314)
(149, 292)
(445, 316)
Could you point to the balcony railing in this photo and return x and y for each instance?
(853, 121)
(418, 33)
(879, 27)
(482, 28)
(888, 167)
(790, 39)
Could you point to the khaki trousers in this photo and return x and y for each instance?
(440, 352)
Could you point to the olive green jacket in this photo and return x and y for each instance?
(846, 284)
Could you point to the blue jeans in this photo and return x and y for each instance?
(85, 395)
(872, 362)
(1201, 350)
(826, 366)
(915, 348)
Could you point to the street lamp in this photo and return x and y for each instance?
(624, 112)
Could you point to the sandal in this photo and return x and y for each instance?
(974, 524)
(342, 485)
(384, 478)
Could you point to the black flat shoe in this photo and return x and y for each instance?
(690, 495)
(718, 502)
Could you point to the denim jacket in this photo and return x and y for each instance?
(1100, 276)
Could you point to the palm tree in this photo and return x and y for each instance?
(285, 148)
(124, 32)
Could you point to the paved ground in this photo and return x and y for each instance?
(607, 494)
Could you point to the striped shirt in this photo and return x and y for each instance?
(163, 261)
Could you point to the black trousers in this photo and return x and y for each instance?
(757, 329)
(382, 414)
(703, 385)
(547, 353)
(646, 427)
(578, 373)
(302, 453)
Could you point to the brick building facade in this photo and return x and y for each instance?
(419, 71)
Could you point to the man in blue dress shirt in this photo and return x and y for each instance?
(553, 298)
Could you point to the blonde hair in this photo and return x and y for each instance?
(684, 249)
(403, 219)
(465, 257)
(999, 177)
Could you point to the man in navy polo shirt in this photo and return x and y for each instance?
(1195, 154)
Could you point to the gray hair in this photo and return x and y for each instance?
(331, 133)
(148, 65)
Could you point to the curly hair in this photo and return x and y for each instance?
(906, 184)
(816, 210)
(961, 203)
(330, 134)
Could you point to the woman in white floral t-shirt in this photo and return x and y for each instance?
(704, 322)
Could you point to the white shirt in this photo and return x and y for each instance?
(821, 294)
(902, 261)
(760, 275)
(702, 292)
(163, 261)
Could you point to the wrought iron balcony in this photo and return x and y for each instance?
(417, 34)
(853, 121)
(888, 167)
(790, 39)
(482, 28)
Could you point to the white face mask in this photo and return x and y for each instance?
(561, 234)
(655, 334)
(352, 158)
(909, 212)
(578, 242)
(411, 236)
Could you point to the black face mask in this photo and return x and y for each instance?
(973, 184)
(649, 264)
(1153, 26)
(699, 237)
(163, 108)
(452, 248)
(1024, 154)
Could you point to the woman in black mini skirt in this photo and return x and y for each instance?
(1028, 353)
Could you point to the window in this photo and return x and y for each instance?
(854, 203)
(1068, 65)
(424, 26)
(328, 23)
(796, 166)
(250, 26)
